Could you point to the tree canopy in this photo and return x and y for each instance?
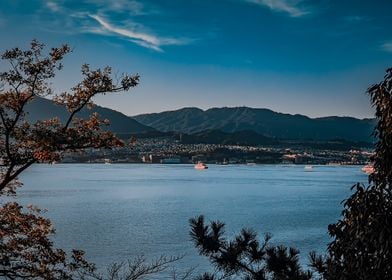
(244, 257)
(361, 246)
(23, 143)
(26, 249)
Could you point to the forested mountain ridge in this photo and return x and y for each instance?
(122, 125)
(262, 121)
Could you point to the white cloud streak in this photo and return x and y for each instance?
(387, 47)
(53, 6)
(132, 31)
(355, 18)
(292, 7)
(141, 38)
(132, 7)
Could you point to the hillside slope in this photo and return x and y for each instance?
(122, 125)
(261, 121)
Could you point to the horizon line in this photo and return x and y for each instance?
(248, 107)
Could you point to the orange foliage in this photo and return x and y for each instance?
(26, 250)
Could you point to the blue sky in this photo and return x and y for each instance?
(310, 57)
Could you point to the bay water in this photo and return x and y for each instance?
(116, 212)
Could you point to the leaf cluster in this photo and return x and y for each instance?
(244, 257)
(361, 246)
(22, 143)
(26, 250)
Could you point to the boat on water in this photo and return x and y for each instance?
(308, 167)
(201, 166)
(334, 164)
(224, 162)
(368, 169)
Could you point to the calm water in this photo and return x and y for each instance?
(120, 211)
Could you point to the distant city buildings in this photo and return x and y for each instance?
(167, 150)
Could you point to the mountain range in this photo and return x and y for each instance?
(122, 125)
(220, 125)
(264, 122)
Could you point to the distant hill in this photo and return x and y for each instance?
(122, 125)
(251, 138)
(244, 137)
(262, 121)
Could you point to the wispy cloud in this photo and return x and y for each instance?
(387, 46)
(293, 7)
(2, 19)
(141, 38)
(95, 18)
(126, 7)
(132, 7)
(53, 6)
(355, 18)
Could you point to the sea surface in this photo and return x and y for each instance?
(116, 212)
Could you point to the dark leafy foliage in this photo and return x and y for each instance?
(362, 239)
(361, 246)
(381, 97)
(24, 143)
(244, 257)
(26, 249)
